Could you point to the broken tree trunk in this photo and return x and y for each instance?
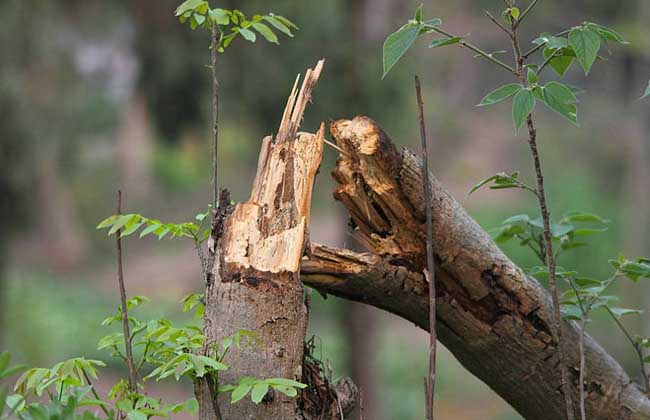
(257, 285)
(491, 316)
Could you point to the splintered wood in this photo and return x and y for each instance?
(258, 286)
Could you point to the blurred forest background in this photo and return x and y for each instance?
(99, 95)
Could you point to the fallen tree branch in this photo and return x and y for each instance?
(491, 316)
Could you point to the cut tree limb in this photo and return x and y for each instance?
(492, 317)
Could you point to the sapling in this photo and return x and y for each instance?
(581, 43)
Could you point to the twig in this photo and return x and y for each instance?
(550, 256)
(214, 44)
(476, 49)
(637, 348)
(92, 389)
(133, 378)
(499, 24)
(430, 271)
(525, 13)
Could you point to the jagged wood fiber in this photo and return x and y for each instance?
(491, 316)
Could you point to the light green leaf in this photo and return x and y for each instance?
(561, 100)
(286, 382)
(418, 13)
(620, 312)
(266, 32)
(259, 391)
(219, 16)
(277, 24)
(189, 5)
(433, 22)
(552, 42)
(247, 34)
(286, 390)
(137, 415)
(514, 12)
(586, 44)
(522, 106)
(284, 20)
(397, 44)
(107, 222)
(445, 41)
(500, 94)
(240, 392)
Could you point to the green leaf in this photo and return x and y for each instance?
(514, 12)
(189, 5)
(5, 357)
(532, 76)
(433, 22)
(286, 382)
(259, 391)
(620, 312)
(107, 222)
(397, 44)
(120, 222)
(586, 44)
(3, 399)
(522, 106)
(240, 392)
(500, 94)
(219, 16)
(247, 34)
(552, 42)
(579, 216)
(608, 34)
(266, 32)
(277, 24)
(284, 20)
(418, 13)
(137, 415)
(445, 41)
(286, 390)
(561, 100)
(647, 92)
(561, 61)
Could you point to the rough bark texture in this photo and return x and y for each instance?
(257, 285)
(494, 318)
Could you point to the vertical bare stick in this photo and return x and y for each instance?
(214, 44)
(430, 271)
(133, 384)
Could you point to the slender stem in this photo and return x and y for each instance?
(547, 61)
(637, 348)
(476, 49)
(214, 45)
(92, 389)
(133, 381)
(583, 368)
(550, 256)
(430, 272)
(499, 24)
(525, 13)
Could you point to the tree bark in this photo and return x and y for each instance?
(257, 285)
(492, 317)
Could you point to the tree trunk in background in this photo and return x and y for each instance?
(256, 282)
(3, 298)
(135, 148)
(491, 316)
(359, 322)
(58, 232)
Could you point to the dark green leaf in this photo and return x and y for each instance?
(418, 13)
(397, 44)
(561, 61)
(585, 43)
(561, 100)
(532, 76)
(522, 106)
(500, 94)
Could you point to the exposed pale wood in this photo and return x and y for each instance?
(257, 283)
(492, 317)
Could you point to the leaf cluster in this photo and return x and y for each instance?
(233, 23)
